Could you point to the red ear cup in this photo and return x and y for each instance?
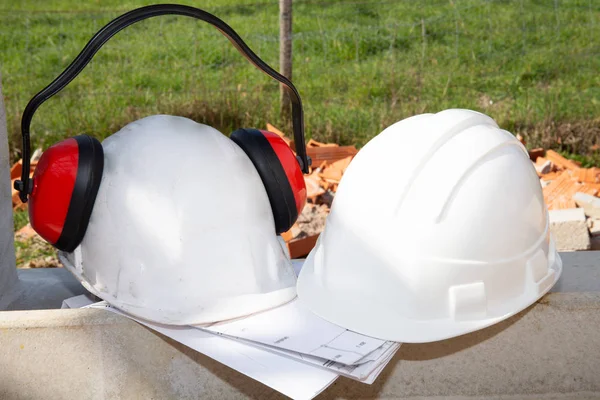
(65, 185)
(279, 171)
(291, 167)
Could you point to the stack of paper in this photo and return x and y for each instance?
(292, 330)
(287, 348)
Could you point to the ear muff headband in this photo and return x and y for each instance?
(25, 186)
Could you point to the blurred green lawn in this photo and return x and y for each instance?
(359, 66)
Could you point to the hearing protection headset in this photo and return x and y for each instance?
(66, 180)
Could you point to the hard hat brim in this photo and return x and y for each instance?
(210, 311)
(386, 324)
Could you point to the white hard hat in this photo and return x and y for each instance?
(438, 228)
(182, 231)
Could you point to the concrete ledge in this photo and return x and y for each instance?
(551, 349)
(581, 272)
(94, 354)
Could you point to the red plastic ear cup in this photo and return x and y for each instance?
(65, 185)
(291, 167)
(279, 171)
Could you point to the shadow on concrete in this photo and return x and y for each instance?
(245, 385)
(443, 348)
(346, 388)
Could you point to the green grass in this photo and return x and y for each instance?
(20, 219)
(359, 66)
(587, 160)
(34, 253)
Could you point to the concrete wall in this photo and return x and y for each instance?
(550, 350)
(8, 272)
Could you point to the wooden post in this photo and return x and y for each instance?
(285, 50)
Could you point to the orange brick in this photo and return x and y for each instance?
(276, 131)
(314, 143)
(535, 153)
(563, 202)
(559, 186)
(590, 188)
(313, 186)
(331, 174)
(342, 164)
(16, 170)
(550, 176)
(587, 175)
(330, 154)
(560, 161)
(559, 193)
(16, 200)
(301, 247)
(293, 232)
(335, 170)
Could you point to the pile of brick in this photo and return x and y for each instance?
(329, 162)
(570, 192)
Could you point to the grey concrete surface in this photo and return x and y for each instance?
(581, 272)
(8, 275)
(93, 354)
(551, 350)
(41, 289)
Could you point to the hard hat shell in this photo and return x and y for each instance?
(182, 231)
(438, 228)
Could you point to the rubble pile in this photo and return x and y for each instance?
(565, 186)
(568, 186)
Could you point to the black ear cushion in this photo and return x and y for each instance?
(87, 182)
(265, 160)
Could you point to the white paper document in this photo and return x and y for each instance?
(295, 379)
(293, 327)
(366, 372)
(80, 301)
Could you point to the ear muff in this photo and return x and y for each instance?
(280, 173)
(68, 176)
(65, 184)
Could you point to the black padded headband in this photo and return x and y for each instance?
(109, 30)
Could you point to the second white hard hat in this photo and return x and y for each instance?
(438, 228)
